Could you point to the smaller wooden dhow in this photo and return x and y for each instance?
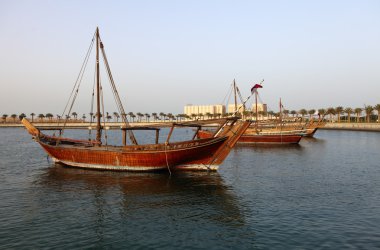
(194, 154)
(259, 134)
(251, 136)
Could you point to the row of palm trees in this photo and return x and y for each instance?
(341, 114)
(338, 114)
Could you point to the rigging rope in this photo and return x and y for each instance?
(228, 94)
(104, 117)
(92, 105)
(75, 89)
(116, 95)
(166, 156)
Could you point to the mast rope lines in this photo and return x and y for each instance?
(166, 156)
(75, 90)
(116, 94)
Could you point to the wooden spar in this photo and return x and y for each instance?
(196, 133)
(124, 135)
(235, 96)
(280, 116)
(157, 135)
(116, 95)
(170, 134)
(257, 121)
(125, 129)
(98, 126)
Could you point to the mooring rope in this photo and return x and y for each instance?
(166, 156)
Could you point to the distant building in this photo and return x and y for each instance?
(231, 108)
(204, 109)
(260, 107)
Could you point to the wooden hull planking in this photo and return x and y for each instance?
(202, 154)
(270, 139)
(111, 158)
(250, 138)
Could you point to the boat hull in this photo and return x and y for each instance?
(269, 139)
(250, 138)
(200, 154)
(195, 157)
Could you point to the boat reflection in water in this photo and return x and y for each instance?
(148, 201)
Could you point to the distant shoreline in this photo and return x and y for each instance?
(375, 127)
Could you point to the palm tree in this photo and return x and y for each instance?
(139, 116)
(5, 117)
(193, 116)
(117, 116)
(162, 115)
(339, 111)
(358, 112)
(91, 116)
(147, 116)
(200, 115)
(302, 112)
(286, 112)
(21, 116)
(208, 115)
(74, 114)
(96, 115)
(368, 111)
(41, 116)
(154, 116)
(123, 116)
(49, 116)
(270, 114)
(246, 113)
(293, 112)
(32, 115)
(171, 116)
(84, 117)
(377, 108)
(331, 112)
(14, 116)
(311, 112)
(321, 112)
(133, 116)
(348, 111)
(108, 117)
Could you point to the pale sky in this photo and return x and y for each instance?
(166, 54)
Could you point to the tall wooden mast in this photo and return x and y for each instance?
(235, 98)
(257, 115)
(98, 126)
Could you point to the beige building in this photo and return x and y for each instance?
(260, 107)
(231, 108)
(204, 109)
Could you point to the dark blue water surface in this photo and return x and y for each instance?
(322, 194)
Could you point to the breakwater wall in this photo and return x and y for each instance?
(353, 126)
(118, 125)
(85, 125)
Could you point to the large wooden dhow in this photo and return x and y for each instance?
(194, 154)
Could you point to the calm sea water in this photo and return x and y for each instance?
(322, 194)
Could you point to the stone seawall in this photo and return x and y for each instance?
(115, 125)
(353, 126)
(85, 125)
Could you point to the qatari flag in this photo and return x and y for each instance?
(254, 88)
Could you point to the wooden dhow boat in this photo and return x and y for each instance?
(195, 154)
(257, 134)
